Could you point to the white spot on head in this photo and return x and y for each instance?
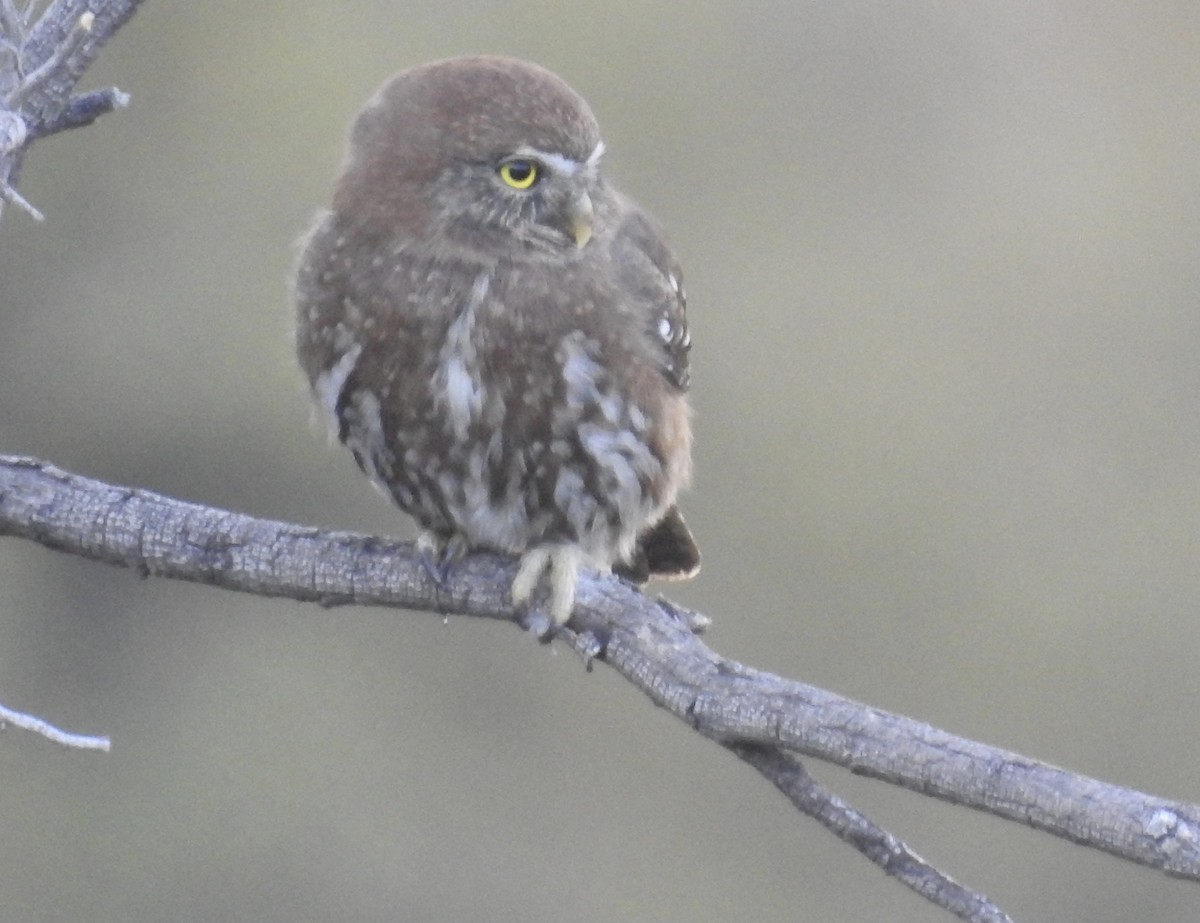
(596, 154)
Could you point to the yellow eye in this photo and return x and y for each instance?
(520, 173)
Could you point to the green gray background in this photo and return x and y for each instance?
(943, 270)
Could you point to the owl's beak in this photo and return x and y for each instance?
(580, 217)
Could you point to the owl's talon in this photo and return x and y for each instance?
(438, 554)
(589, 648)
(560, 565)
(433, 569)
(529, 573)
(538, 624)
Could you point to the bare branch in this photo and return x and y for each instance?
(892, 855)
(50, 732)
(758, 715)
(39, 68)
(70, 35)
(35, 81)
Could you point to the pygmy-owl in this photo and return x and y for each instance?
(498, 335)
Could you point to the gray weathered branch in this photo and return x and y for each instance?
(762, 717)
(40, 64)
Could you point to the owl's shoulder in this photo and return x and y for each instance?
(653, 281)
(639, 235)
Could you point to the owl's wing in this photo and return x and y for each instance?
(653, 277)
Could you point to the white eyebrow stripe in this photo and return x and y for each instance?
(556, 162)
(560, 164)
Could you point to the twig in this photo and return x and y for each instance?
(889, 852)
(50, 732)
(13, 135)
(36, 80)
(12, 25)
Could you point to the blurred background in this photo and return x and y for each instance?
(943, 274)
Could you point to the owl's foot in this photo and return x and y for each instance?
(560, 564)
(438, 553)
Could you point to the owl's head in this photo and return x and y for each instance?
(489, 154)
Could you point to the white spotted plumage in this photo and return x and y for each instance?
(458, 385)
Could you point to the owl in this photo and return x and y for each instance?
(498, 335)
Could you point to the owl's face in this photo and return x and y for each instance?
(523, 198)
(481, 155)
